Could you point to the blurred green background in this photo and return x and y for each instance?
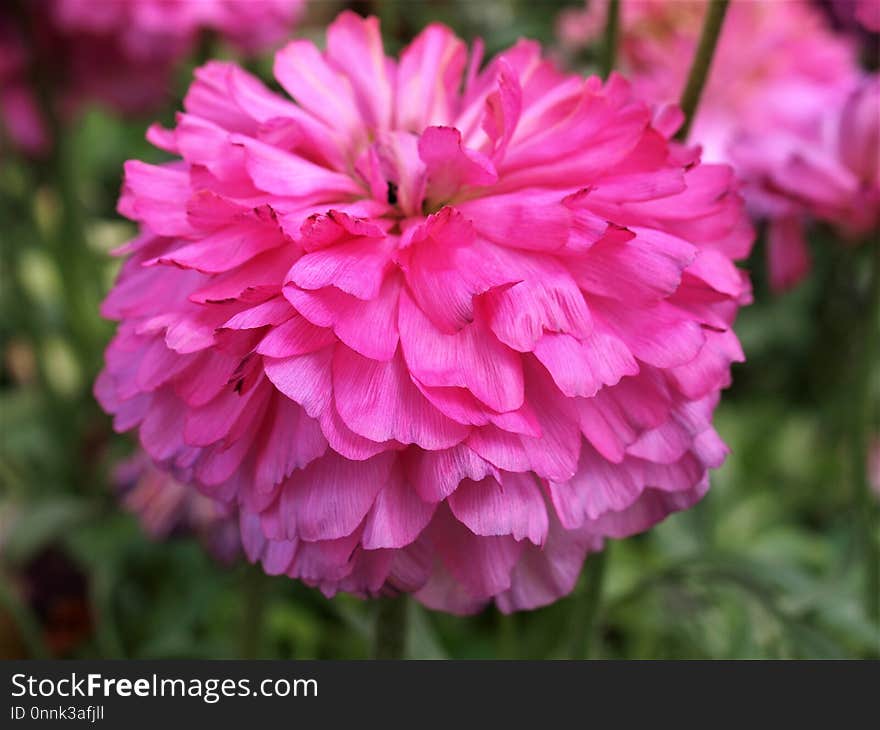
(778, 561)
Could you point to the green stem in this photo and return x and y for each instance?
(702, 64)
(587, 607)
(390, 640)
(611, 37)
(254, 584)
(864, 410)
(77, 265)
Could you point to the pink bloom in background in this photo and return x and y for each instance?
(868, 14)
(428, 328)
(166, 508)
(156, 29)
(118, 52)
(854, 16)
(20, 118)
(786, 104)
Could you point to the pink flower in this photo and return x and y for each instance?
(868, 14)
(165, 508)
(118, 53)
(429, 328)
(156, 29)
(831, 174)
(775, 112)
(20, 119)
(860, 17)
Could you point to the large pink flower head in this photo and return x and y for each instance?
(118, 52)
(774, 110)
(432, 328)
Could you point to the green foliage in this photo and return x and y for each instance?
(770, 564)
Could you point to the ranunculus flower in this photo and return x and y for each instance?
(831, 174)
(431, 328)
(118, 53)
(783, 94)
(166, 508)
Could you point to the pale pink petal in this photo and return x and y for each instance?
(471, 358)
(330, 497)
(515, 506)
(436, 474)
(398, 516)
(428, 77)
(378, 400)
(304, 379)
(449, 166)
(482, 564)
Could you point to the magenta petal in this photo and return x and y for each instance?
(347, 443)
(291, 440)
(636, 264)
(472, 358)
(357, 267)
(296, 336)
(447, 268)
(449, 166)
(535, 221)
(367, 327)
(661, 335)
(543, 575)
(488, 508)
(398, 516)
(354, 45)
(597, 488)
(481, 564)
(653, 506)
(548, 301)
(436, 474)
(378, 400)
(281, 173)
(428, 75)
(304, 379)
(304, 74)
(581, 368)
(330, 497)
(162, 427)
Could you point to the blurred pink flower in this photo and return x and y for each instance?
(853, 16)
(868, 14)
(20, 119)
(120, 53)
(156, 29)
(831, 175)
(779, 104)
(165, 508)
(429, 328)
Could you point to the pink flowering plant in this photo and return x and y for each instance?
(796, 115)
(431, 325)
(121, 53)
